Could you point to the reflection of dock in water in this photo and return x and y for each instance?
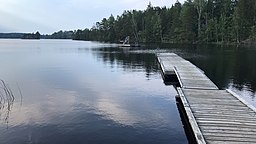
(214, 116)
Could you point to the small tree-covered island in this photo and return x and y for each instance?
(195, 21)
(31, 36)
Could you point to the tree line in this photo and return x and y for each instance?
(195, 21)
(56, 35)
(59, 35)
(31, 36)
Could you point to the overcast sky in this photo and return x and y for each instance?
(48, 16)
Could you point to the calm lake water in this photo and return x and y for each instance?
(76, 92)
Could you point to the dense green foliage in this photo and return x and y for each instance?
(32, 36)
(11, 35)
(59, 35)
(56, 35)
(195, 21)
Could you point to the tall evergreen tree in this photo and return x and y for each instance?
(176, 22)
(188, 20)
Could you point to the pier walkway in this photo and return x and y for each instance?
(215, 116)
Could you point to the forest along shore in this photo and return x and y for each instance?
(198, 21)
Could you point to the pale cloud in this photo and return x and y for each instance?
(52, 15)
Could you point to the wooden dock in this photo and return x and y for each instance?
(215, 116)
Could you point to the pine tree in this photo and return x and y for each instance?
(188, 20)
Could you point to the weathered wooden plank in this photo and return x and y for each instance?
(228, 131)
(230, 105)
(228, 128)
(205, 92)
(185, 69)
(205, 116)
(237, 110)
(167, 54)
(217, 103)
(200, 81)
(197, 84)
(198, 107)
(206, 87)
(233, 111)
(223, 113)
(211, 96)
(241, 126)
(225, 138)
(192, 70)
(214, 100)
(231, 135)
(200, 84)
(192, 78)
(226, 116)
(225, 110)
(226, 120)
(226, 142)
(197, 133)
(190, 75)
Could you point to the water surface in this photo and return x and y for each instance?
(85, 92)
(88, 92)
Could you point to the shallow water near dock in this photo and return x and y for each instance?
(88, 92)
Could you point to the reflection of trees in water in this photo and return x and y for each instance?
(129, 61)
(245, 70)
(223, 65)
(229, 65)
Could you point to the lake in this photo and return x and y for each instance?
(87, 92)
